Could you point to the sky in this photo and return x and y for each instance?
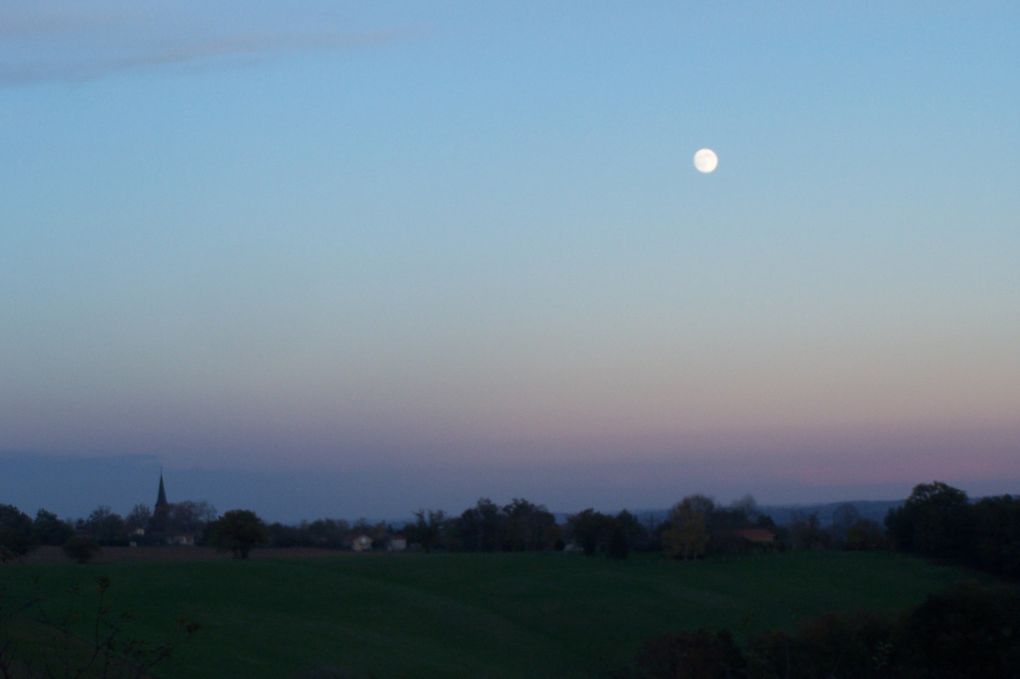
(323, 258)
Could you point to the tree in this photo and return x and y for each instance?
(686, 535)
(806, 532)
(843, 518)
(138, 519)
(996, 537)
(935, 520)
(527, 526)
(188, 517)
(331, 533)
(106, 527)
(590, 529)
(49, 529)
(239, 530)
(619, 546)
(748, 506)
(15, 532)
(969, 630)
(81, 548)
(481, 528)
(634, 532)
(428, 528)
(864, 534)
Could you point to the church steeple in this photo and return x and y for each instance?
(161, 498)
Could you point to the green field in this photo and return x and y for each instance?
(470, 615)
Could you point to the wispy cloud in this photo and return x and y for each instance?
(220, 51)
(52, 43)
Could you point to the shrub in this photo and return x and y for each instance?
(239, 530)
(81, 548)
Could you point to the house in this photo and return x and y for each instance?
(181, 539)
(756, 538)
(397, 543)
(362, 543)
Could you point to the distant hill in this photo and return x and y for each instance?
(868, 509)
(785, 514)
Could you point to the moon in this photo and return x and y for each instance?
(705, 161)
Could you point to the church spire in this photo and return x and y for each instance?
(161, 498)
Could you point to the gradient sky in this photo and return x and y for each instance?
(432, 251)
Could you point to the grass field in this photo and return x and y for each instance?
(470, 615)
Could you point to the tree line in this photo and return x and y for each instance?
(937, 520)
(940, 521)
(237, 530)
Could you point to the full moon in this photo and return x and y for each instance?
(705, 161)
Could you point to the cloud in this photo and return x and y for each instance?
(202, 53)
(56, 44)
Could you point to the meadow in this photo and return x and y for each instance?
(465, 615)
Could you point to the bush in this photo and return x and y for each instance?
(690, 655)
(239, 530)
(81, 548)
(968, 631)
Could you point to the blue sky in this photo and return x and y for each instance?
(330, 240)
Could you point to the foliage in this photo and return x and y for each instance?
(968, 632)
(995, 542)
(689, 655)
(427, 528)
(635, 534)
(528, 526)
(480, 528)
(189, 517)
(934, 521)
(238, 531)
(105, 526)
(81, 548)
(49, 529)
(619, 546)
(138, 519)
(806, 532)
(864, 534)
(76, 644)
(591, 530)
(518, 526)
(843, 519)
(686, 535)
(15, 532)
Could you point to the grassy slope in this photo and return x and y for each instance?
(500, 615)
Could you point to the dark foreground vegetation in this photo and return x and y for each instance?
(968, 632)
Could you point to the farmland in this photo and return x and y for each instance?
(497, 615)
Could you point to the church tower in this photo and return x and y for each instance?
(161, 498)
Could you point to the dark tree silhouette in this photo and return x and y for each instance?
(239, 530)
(81, 548)
(15, 532)
(49, 529)
(935, 521)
